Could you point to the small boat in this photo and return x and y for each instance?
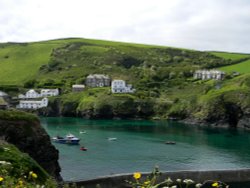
(69, 139)
(83, 148)
(170, 142)
(82, 132)
(112, 138)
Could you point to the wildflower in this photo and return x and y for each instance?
(1, 179)
(198, 185)
(137, 175)
(178, 180)
(34, 175)
(6, 149)
(146, 182)
(20, 182)
(215, 184)
(188, 181)
(169, 181)
(5, 163)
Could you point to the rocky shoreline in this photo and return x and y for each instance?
(25, 132)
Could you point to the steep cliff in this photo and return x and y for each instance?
(25, 132)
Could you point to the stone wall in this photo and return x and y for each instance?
(234, 178)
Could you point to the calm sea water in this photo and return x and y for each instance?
(140, 146)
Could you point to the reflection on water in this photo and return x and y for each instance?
(140, 145)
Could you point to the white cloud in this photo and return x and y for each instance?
(197, 24)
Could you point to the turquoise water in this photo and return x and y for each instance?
(140, 146)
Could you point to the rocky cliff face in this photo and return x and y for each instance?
(28, 135)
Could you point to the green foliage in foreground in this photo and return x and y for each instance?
(19, 170)
(152, 181)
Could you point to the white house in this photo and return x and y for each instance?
(119, 86)
(49, 92)
(26, 104)
(32, 94)
(97, 80)
(209, 74)
(3, 94)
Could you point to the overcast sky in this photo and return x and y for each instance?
(222, 25)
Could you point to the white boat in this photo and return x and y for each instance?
(112, 138)
(69, 139)
(82, 132)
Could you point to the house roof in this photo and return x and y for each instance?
(78, 86)
(49, 90)
(3, 94)
(31, 91)
(98, 76)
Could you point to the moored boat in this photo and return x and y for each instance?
(170, 142)
(112, 138)
(69, 139)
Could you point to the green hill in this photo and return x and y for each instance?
(73, 59)
(162, 76)
(231, 56)
(243, 67)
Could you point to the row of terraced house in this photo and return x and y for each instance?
(32, 99)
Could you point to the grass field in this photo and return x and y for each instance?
(20, 62)
(232, 56)
(74, 58)
(242, 68)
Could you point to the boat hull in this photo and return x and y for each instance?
(66, 141)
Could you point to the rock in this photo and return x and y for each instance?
(244, 122)
(28, 136)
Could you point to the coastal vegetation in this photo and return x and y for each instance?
(152, 181)
(162, 77)
(18, 169)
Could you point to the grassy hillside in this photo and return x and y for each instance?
(20, 62)
(243, 67)
(71, 60)
(18, 165)
(162, 77)
(232, 56)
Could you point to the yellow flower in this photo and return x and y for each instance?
(34, 175)
(215, 184)
(137, 175)
(1, 179)
(20, 182)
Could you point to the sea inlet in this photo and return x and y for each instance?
(127, 146)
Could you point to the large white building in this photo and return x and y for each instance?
(119, 86)
(97, 80)
(34, 104)
(209, 74)
(32, 94)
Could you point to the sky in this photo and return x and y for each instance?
(218, 25)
